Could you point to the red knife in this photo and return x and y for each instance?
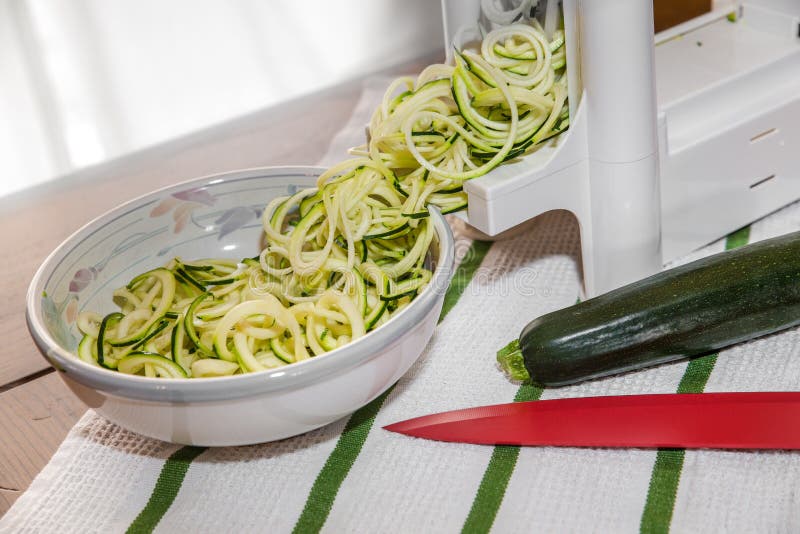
(762, 420)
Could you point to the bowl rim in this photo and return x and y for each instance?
(174, 390)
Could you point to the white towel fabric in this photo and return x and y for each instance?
(102, 477)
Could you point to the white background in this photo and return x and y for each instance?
(87, 80)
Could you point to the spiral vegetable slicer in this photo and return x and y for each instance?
(670, 146)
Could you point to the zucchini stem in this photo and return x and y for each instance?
(512, 363)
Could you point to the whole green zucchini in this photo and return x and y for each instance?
(687, 311)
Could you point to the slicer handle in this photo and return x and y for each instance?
(618, 72)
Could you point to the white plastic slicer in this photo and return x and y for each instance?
(670, 146)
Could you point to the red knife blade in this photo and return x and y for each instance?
(758, 420)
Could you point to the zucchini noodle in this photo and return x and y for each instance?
(342, 258)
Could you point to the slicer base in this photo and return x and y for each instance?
(727, 143)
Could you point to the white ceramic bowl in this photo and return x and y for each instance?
(216, 216)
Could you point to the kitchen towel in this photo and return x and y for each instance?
(352, 476)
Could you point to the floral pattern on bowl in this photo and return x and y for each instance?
(218, 219)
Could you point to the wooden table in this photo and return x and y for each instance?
(36, 408)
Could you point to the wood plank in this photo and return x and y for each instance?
(669, 13)
(34, 419)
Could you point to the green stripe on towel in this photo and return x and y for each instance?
(323, 493)
(464, 274)
(666, 475)
(329, 480)
(166, 489)
(498, 472)
(495, 478)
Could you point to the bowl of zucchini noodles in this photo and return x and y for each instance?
(260, 304)
(228, 310)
